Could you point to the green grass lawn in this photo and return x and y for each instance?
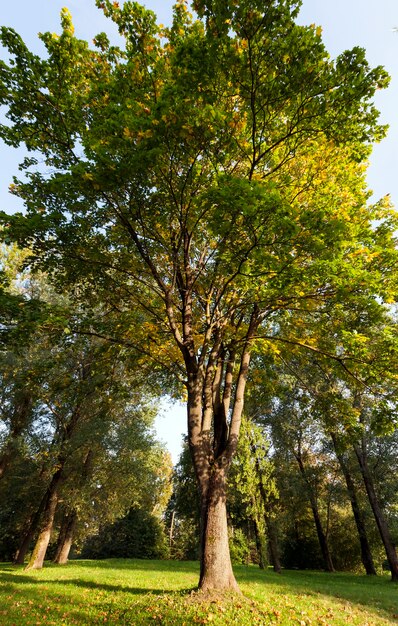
(159, 592)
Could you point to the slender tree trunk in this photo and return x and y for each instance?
(39, 552)
(271, 530)
(6, 457)
(65, 538)
(19, 419)
(377, 511)
(366, 554)
(215, 567)
(323, 543)
(171, 533)
(273, 544)
(262, 558)
(61, 535)
(69, 519)
(322, 537)
(24, 546)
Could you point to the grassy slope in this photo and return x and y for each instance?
(155, 592)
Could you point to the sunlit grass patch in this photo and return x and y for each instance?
(161, 592)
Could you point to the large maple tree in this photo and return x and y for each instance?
(200, 182)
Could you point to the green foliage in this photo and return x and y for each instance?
(252, 475)
(183, 511)
(119, 120)
(20, 492)
(137, 535)
(240, 547)
(71, 403)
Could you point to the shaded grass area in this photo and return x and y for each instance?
(137, 592)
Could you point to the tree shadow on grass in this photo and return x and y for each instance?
(377, 593)
(10, 581)
(87, 602)
(135, 564)
(88, 599)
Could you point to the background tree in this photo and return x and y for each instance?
(253, 485)
(67, 418)
(138, 535)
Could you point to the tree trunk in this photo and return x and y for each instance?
(377, 511)
(213, 441)
(69, 519)
(171, 533)
(271, 530)
(322, 537)
(215, 567)
(39, 552)
(19, 558)
(366, 554)
(65, 538)
(215, 561)
(262, 558)
(323, 543)
(6, 457)
(19, 419)
(273, 544)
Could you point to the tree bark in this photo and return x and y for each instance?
(65, 538)
(260, 545)
(39, 552)
(215, 562)
(215, 567)
(360, 452)
(271, 530)
(323, 543)
(24, 546)
(171, 532)
(273, 544)
(366, 554)
(212, 440)
(19, 419)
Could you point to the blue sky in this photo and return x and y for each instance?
(345, 23)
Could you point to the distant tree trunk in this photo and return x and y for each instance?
(19, 419)
(323, 543)
(260, 545)
(361, 454)
(366, 554)
(171, 533)
(24, 546)
(321, 536)
(39, 552)
(271, 530)
(65, 538)
(70, 517)
(273, 544)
